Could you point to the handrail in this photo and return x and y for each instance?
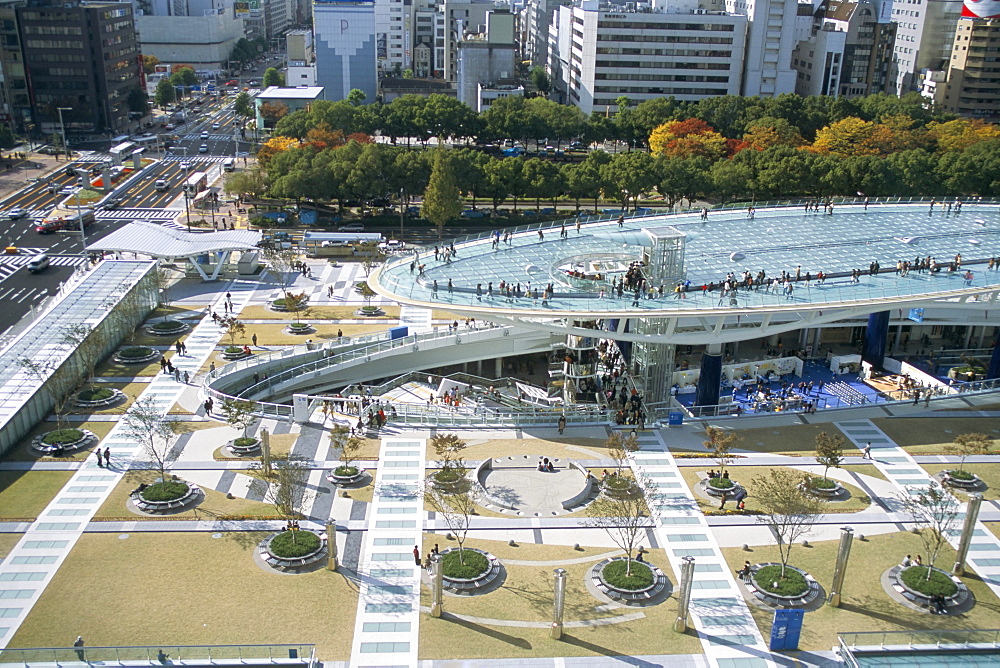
(159, 655)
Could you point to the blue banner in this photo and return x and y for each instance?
(786, 629)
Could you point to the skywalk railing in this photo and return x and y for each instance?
(161, 655)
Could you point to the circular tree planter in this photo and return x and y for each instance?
(102, 398)
(369, 312)
(448, 481)
(961, 479)
(360, 287)
(346, 475)
(824, 489)
(235, 353)
(619, 487)
(136, 355)
(166, 496)
(796, 590)
(717, 487)
(61, 441)
(911, 583)
(244, 446)
(167, 328)
(293, 549)
(481, 572)
(300, 328)
(644, 585)
(281, 305)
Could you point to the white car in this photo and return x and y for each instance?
(185, 166)
(351, 227)
(391, 246)
(203, 148)
(204, 136)
(216, 126)
(14, 214)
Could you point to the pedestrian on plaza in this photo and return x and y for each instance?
(78, 644)
(253, 340)
(208, 405)
(177, 347)
(867, 452)
(187, 378)
(562, 424)
(177, 375)
(416, 555)
(184, 348)
(100, 462)
(163, 363)
(107, 457)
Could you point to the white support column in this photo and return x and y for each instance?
(197, 267)
(220, 264)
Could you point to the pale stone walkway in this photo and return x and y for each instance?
(718, 611)
(388, 619)
(33, 562)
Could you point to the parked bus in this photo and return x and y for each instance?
(196, 183)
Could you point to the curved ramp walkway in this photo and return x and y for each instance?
(718, 611)
(902, 470)
(388, 620)
(33, 562)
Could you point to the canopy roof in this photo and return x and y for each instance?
(164, 242)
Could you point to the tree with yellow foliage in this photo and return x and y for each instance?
(961, 133)
(853, 136)
(768, 131)
(273, 147)
(687, 139)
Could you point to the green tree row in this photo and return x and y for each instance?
(519, 118)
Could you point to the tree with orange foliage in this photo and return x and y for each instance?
(961, 133)
(853, 136)
(272, 112)
(360, 137)
(768, 131)
(273, 147)
(687, 139)
(321, 137)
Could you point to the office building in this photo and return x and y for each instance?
(83, 59)
(973, 80)
(848, 52)
(770, 40)
(486, 58)
(15, 102)
(394, 19)
(198, 34)
(603, 52)
(344, 33)
(926, 29)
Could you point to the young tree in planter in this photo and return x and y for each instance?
(232, 328)
(89, 344)
(456, 508)
(146, 424)
(366, 293)
(625, 518)
(371, 256)
(449, 448)
(163, 282)
(286, 489)
(786, 507)
(56, 380)
(348, 445)
(296, 305)
(829, 451)
(968, 444)
(282, 262)
(721, 443)
(239, 415)
(619, 446)
(129, 312)
(935, 513)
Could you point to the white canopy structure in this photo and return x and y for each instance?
(165, 243)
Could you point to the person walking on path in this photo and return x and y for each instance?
(416, 555)
(253, 340)
(100, 462)
(78, 644)
(562, 424)
(107, 457)
(867, 452)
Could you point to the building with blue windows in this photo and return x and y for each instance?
(345, 47)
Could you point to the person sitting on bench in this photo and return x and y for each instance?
(138, 490)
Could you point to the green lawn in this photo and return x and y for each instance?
(187, 589)
(793, 440)
(24, 452)
(929, 436)
(527, 596)
(27, 493)
(865, 605)
(7, 543)
(989, 473)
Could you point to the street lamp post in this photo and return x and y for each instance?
(62, 126)
(401, 210)
(187, 208)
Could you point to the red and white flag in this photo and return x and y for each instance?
(981, 9)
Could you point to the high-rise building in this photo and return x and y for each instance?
(848, 53)
(487, 58)
(344, 33)
(535, 19)
(82, 58)
(394, 36)
(602, 52)
(458, 18)
(201, 34)
(923, 37)
(15, 102)
(973, 82)
(770, 40)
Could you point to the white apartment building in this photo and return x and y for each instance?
(394, 20)
(600, 52)
(770, 41)
(204, 38)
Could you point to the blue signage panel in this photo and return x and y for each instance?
(398, 332)
(675, 419)
(786, 629)
(916, 315)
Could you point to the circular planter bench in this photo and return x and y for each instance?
(116, 397)
(87, 437)
(824, 492)
(287, 563)
(369, 312)
(448, 486)
(720, 491)
(279, 305)
(232, 356)
(948, 479)
(167, 328)
(358, 475)
(243, 450)
(957, 600)
(300, 328)
(193, 494)
(634, 597)
(131, 355)
(481, 583)
(777, 600)
(619, 492)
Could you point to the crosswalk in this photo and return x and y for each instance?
(139, 214)
(33, 213)
(196, 136)
(54, 261)
(195, 159)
